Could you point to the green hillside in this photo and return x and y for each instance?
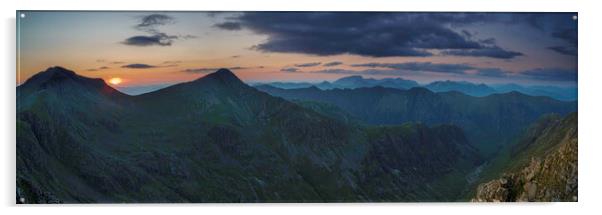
(216, 139)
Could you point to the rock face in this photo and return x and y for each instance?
(551, 177)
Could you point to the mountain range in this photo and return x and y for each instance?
(489, 122)
(216, 139)
(468, 88)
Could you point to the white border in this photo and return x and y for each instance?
(589, 104)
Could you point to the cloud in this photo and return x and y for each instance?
(155, 37)
(289, 69)
(98, 69)
(172, 62)
(413, 67)
(153, 20)
(233, 26)
(308, 64)
(138, 66)
(566, 50)
(201, 70)
(551, 74)
(492, 72)
(365, 34)
(388, 72)
(543, 74)
(421, 66)
(334, 63)
(159, 39)
(561, 26)
(492, 52)
(338, 71)
(569, 36)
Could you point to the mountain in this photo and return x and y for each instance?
(542, 166)
(468, 88)
(560, 93)
(291, 85)
(489, 121)
(216, 139)
(461, 86)
(358, 81)
(350, 82)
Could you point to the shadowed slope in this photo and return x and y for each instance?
(215, 139)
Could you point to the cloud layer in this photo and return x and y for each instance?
(421, 66)
(396, 69)
(308, 64)
(551, 74)
(138, 66)
(368, 34)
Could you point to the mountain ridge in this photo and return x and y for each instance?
(469, 88)
(507, 114)
(215, 139)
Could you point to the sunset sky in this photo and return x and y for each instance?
(157, 48)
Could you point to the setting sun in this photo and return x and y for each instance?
(115, 81)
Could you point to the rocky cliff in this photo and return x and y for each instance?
(551, 174)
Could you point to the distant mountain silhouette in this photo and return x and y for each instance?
(461, 86)
(358, 81)
(468, 88)
(350, 82)
(560, 93)
(216, 139)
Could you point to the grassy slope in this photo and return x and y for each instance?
(206, 142)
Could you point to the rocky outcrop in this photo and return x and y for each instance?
(552, 177)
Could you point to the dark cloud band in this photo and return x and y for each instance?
(308, 64)
(366, 34)
(421, 66)
(334, 63)
(157, 39)
(138, 66)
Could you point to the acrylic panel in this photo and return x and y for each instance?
(268, 107)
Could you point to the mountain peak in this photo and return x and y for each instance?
(55, 73)
(62, 78)
(224, 72)
(60, 70)
(225, 76)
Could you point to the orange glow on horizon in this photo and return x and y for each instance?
(115, 81)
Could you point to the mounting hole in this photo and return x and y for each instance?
(575, 17)
(22, 15)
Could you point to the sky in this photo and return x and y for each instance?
(146, 49)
